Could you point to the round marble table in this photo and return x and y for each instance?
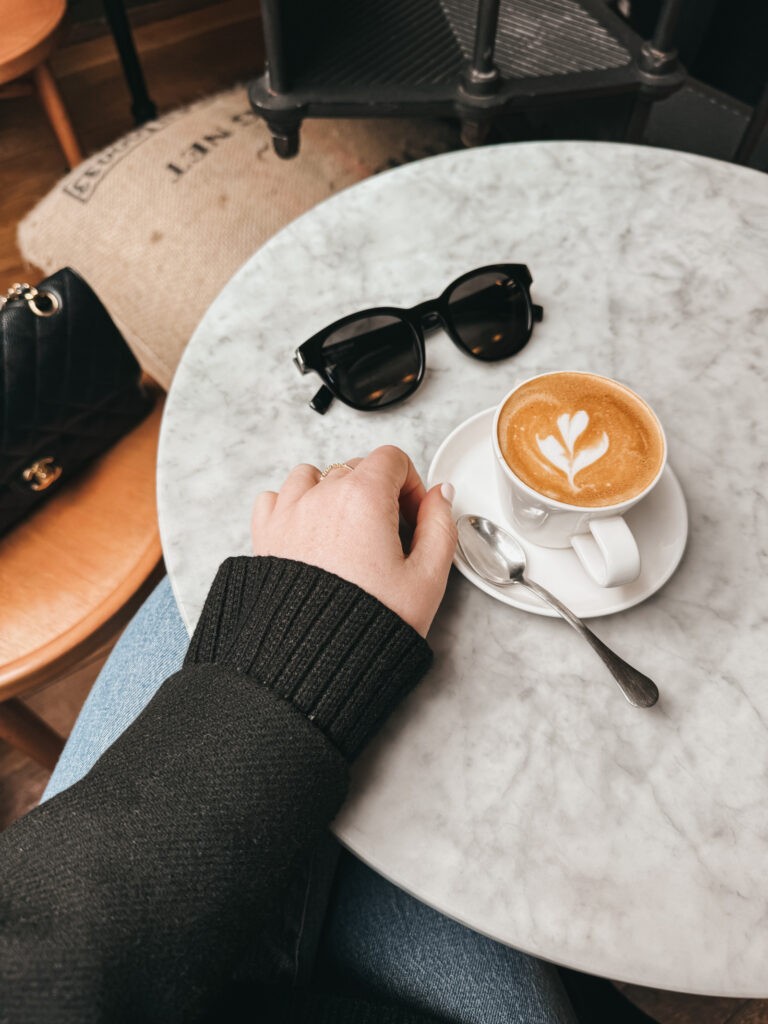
(516, 790)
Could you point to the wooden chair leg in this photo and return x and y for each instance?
(50, 97)
(23, 729)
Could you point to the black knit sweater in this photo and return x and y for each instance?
(134, 894)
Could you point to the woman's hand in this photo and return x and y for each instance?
(348, 524)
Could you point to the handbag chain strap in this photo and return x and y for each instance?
(44, 471)
(29, 294)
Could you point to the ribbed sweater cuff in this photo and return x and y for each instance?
(334, 651)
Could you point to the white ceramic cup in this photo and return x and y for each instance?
(599, 536)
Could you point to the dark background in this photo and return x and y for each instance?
(722, 42)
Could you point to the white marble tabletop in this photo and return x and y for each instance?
(516, 790)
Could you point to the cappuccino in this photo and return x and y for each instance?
(580, 439)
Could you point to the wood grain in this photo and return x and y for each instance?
(679, 1008)
(21, 780)
(53, 105)
(755, 1011)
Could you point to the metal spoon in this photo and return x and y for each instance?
(498, 557)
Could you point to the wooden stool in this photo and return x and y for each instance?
(28, 33)
(72, 574)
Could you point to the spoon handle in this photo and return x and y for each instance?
(639, 690)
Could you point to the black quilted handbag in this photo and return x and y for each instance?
(69, 388)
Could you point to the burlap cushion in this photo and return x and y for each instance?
(161, 219)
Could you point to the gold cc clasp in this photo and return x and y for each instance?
(42, 474)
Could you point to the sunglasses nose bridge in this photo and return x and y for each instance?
(428, 316)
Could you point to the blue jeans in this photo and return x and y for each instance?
(363, 934)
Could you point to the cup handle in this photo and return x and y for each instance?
(608, 552)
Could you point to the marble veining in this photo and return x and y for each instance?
(515, 789)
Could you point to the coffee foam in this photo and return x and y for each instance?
(580, 439)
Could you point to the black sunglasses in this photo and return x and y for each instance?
(376, 357)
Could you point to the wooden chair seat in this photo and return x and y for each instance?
(28, 34)
(72, 574)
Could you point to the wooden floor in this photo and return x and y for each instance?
(184, 58)
(21, 780)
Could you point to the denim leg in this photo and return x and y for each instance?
(151, 648)
(380, 941)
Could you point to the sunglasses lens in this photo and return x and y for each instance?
(491, 315)
(373, 361)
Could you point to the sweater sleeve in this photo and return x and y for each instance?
(336, 653)
(128, 896)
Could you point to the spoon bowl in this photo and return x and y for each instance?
(492, 552)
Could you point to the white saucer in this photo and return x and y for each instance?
(659, 524)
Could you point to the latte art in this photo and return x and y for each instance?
(570, 462)
(580, 439)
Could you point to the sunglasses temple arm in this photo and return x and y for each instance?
(538, 313)
(321, 400)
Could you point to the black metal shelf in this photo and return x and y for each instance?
(470, 59)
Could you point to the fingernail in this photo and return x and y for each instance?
(448, 491)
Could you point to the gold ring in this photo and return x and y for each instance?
(335, 465)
